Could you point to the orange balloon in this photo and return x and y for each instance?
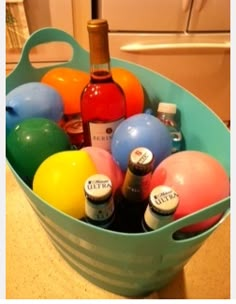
(132, 88)
(69, 83)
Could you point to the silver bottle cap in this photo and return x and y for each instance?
(163, 200)
(98, 187)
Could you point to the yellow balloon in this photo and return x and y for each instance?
(59, 180)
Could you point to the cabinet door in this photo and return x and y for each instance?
(145, 15)
(210, 15)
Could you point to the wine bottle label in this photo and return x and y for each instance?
(136, 188)
(154, 221)
(100, 212)
(101, 133)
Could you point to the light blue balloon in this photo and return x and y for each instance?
(140, 130)
(30, 100)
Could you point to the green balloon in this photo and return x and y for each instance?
(31, 142)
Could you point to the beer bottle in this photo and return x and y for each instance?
(163, 201)
(132, 198)
(99, 205)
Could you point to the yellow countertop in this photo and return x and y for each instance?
(35, 270)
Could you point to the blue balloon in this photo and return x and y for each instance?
(31, 100)
(140, 130)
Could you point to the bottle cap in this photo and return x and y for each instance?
(163, 200)
(98, 187)
(141, 159)
(165, 107)
(97, 24)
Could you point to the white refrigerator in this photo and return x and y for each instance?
(187, 41)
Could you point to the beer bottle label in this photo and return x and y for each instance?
(99, 212)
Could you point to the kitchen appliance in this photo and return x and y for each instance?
(188, 41)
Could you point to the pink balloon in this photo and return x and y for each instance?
(105, 164)
(198, 178)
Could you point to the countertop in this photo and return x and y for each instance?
(35, 270)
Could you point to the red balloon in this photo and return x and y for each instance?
(198, 178)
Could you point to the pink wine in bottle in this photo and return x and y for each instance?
(102, 100)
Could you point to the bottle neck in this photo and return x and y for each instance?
(136, 187)
(153, 221)
(100, 72)
(99, 53)
(100, 214)
(167, 118)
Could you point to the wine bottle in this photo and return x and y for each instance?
(103, 105)
(132, 197)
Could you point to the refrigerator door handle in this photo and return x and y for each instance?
(139, 47)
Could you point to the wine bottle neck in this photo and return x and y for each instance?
(100, 71)
(99, 45)
(99, 53)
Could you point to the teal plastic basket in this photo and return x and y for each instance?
(128, 264)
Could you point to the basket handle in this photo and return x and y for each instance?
(46, 35)
(198, 216)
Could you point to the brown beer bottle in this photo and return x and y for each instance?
(132, 198)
